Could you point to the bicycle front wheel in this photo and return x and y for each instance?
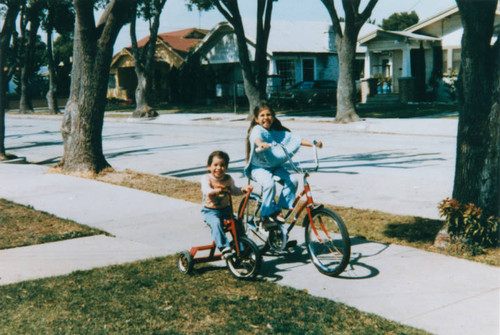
(328, 242)
(247, 264)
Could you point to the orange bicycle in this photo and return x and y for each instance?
(326, 237)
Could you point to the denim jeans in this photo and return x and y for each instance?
(214, 218)
(264, 176)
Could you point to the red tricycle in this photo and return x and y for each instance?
(245, 260)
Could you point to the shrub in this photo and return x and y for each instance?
(466, 223)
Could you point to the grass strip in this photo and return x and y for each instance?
(22, 226)
(152, 297)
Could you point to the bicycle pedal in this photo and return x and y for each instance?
(291, 244)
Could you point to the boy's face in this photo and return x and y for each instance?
(218, 167)
(265, 118)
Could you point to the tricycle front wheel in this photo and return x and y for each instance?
(247, 264)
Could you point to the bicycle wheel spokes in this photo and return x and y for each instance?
(328, 242)
(251, 222)
(247, 263)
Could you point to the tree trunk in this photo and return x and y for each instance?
(51, 93)
(142, 92)
(345, 43)
(143, 63)
(5, 36)
(84, 114)
(25, 103)
(254, 79)
(478, 142)
(346, 90)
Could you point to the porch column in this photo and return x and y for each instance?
(406, 62)
(449, 60)
(368, 65)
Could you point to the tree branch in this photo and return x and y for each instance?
(330, 7)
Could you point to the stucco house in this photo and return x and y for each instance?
(415, 59)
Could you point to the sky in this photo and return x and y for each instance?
(176, 16)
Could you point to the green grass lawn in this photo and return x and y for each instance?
(22, 226)
(152, 297)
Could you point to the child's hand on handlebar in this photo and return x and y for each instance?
(319, 144)
(247, 189)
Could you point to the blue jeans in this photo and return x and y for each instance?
(214, 218)
(264, 176)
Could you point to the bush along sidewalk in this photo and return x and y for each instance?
(468, 226)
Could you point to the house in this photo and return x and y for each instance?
(297, 51)
(172, 49)
(304, 51)
(414, 60)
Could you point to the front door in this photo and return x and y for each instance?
(308, 69)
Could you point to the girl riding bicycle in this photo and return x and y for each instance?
(264, 161)
(216, 207)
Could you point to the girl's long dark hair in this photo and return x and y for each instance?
(276, 125)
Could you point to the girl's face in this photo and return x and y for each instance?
(265, 118)
(218, 167)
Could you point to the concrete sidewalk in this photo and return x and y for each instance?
(440, 294)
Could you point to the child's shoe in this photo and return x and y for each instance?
(278, 218)
(268, 222)
(227, 252)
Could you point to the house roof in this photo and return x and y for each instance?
(433, 19)
(396, 35)
(302, 36)
(411, 32)
(181, 41)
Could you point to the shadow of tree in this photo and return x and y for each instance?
(419, 230)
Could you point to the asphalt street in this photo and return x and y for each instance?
(398, 167)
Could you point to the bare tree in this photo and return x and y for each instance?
(478, 140)
(32, 17)
(254, 77)
(59, 17)
(345, 43)
(84, 113)
(9, 22)
(150, 10)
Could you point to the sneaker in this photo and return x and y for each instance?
(278, 218)
(269, 222)
(227, 252)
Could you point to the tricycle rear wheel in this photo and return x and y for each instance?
(185, 262)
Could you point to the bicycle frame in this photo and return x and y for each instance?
(309, 204)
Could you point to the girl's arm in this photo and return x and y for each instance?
(308, 143)
(259, 143)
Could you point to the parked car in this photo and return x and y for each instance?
(307, 92)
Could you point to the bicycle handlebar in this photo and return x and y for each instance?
(289, 158)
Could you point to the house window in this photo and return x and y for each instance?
(307, 69)
(286, 69)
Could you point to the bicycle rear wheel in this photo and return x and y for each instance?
(328, 242)
(247, 264)
(251, 221)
